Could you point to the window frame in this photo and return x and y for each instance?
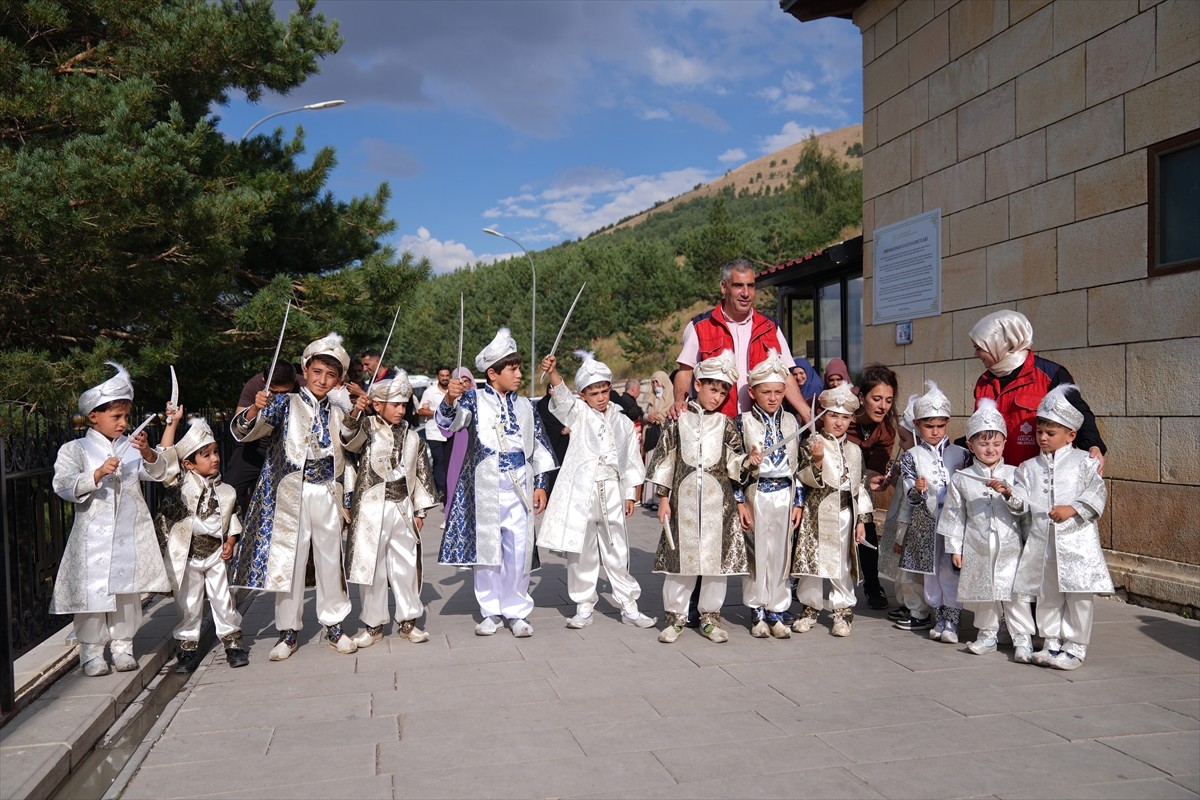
(1154, 154)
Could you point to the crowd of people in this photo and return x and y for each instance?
(757, 465)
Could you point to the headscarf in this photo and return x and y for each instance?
(813, 385)
(1006, 336)
(659, 405)
(838, 367)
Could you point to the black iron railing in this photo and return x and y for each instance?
(36, 523)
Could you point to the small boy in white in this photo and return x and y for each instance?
(983, 536)
(769, 505)
(112, 554)
(596, 489)
(837, 505)
(925, 472)
(911, 608)
(1062, 565)
(697, 457)
(200, 528)
(393, 489)
(501, 488)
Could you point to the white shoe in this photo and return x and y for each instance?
(670, 633)
(1044, 657)
(409, 630)
(1023, 654)
(761, 630)
(805, 622)
(578, 621)
(841, 627)
(935, 634)
(521, 628)
(368, 636)
(639, 620)
(123, 662)
(1065, 660)
(780, 631)
(714, 633)
(489, 626)
(95, 667)
(982, 645)
(950, 636)
(336, 638)
(287, 645)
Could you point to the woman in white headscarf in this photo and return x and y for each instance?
(1018, 380)
(657, 404)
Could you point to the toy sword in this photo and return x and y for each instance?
(121, 450)
(278, 344)
(563, 327)
(173, 403)
(667, 531)
(782, 442)
(383, 353)
(462, 306)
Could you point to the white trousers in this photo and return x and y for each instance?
(117, 626)
(810, 589)
(910, 593)
(941, 588)
(677, 591)
(321, 528)
(1064, 619)
(1017, 616)
(503, 591)
(769, 588)
(205, 576)
(605, 542)
(395, 565)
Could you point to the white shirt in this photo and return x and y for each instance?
(689, 354)
(432, 398)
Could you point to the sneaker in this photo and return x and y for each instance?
(186, 662)
(368, 636)
(670, 634)
(336, 638)
(95, 667)
(521, 628)
(489, 626)
(579, 621)
(897, 614)
(841, 627)
(1044, 657)
(877, 601)
(1065, 660)
(1023, 654)
(236, 657)
(638, 620)
(805, 622)
(286, 645)
(949, 636)
(409, 630)
(914, 624)
(982, 645)
(714, 633)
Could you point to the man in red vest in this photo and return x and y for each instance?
(734, 325)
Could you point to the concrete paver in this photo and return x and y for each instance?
(607, 711)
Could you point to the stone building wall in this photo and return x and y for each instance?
(1027, 122)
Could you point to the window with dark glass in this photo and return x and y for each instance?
(1173, 192)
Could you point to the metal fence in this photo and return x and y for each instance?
(36, 523)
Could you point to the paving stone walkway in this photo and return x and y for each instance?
(609, 712)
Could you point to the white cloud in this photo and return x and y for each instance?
(443, 256)
(654, 113)
(791, 133)
(731, 156)
(668, 68)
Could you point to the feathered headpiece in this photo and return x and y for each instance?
(118, 387)
(590, 370)
(718, 368)
(906, 419)
(840, 399)
(1057, 408)
(933, 403)
(987, 417)
(328, 345)
(395, 389)
(501, 345)
(772, 369)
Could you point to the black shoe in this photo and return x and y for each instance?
(897, 614)
(236, 657)
(915, 624)
(187, 662)
(877, 601)
(693, 620)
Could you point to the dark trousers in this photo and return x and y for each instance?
(868, 561)
(441, 462)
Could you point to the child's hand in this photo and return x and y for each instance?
(922, 485)
(747, 516)
(539, 501)
(860, 533)
(818, 451)
(756, 457)
(878, 483)
(418, 523)
(360, 405)
(174, 414)
(1062, 513)
(454, 390)
(664, 510)
(797, 515)
(898, 549)
(1000, 487)
(629, 508)
(107, 468)
(227, 548)
(956, 560)
(548, 366)
(142, 445)
(260, 403)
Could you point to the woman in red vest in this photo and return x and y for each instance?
(1018, 380)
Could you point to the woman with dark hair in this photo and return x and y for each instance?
(874, 430)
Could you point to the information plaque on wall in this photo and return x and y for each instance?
(907, 266)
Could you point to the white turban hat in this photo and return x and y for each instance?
(590, 371)
(718, 368)
(987, 417)
(502, 345)
(395, 389)
(1057, 408)
(840, 399)
(199, 435)
(933, 403)
(117, 387)
(771, 369)
(328, 345)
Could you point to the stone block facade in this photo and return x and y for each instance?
(1027, 123)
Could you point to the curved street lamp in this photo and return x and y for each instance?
(532, 312)
(310, 107)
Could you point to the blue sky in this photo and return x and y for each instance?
(549, 119)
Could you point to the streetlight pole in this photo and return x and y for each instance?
(532, 312)
(309, 107)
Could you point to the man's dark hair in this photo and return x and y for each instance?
(328, 361)
(443, 367)
(284, 375)
(371, 353)
(510, 360)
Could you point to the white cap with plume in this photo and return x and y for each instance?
(718, 368)
(395, 389)
(987, 417)
(1057, 408)
(118, 387)
(590, 370)
(501, 345)
(933, 403)
(906, 419)
(199, 435)
(328, 345)
(840, 399)
(771, 369)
